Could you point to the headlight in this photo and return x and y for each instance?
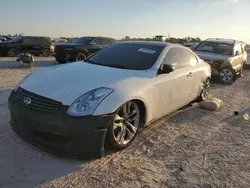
(87, 103)
(17, 86)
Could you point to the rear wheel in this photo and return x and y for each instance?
(227, 75)
(12, 52)
(80, 56)
(46, 53)
(125, 126)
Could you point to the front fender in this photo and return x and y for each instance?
(116, 99)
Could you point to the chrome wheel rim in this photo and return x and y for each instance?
(126, 123)
(226, 75)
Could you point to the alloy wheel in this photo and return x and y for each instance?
(226, 75)
(126, 123)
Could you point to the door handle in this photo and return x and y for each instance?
(190, 74)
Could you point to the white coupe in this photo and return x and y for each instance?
(76, 108)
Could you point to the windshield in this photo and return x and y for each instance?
(83, 40)
(248, 50)
(215, 47)
(16, 39)
(127, 56)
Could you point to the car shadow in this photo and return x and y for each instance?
(10, 63)
(188, 115)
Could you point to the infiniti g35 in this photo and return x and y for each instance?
(75, 109)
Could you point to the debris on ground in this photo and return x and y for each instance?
(211, 104)
(246, 116)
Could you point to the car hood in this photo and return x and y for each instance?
(65, 83)
(211, 56)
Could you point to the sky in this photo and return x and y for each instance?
(134, 18)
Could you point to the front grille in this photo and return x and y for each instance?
(37, 102)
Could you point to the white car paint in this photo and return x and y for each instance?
(161, 94)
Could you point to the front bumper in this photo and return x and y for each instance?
(58, 133)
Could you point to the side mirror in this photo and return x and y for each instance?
(166, 68)
(237, 53)
(92, 43)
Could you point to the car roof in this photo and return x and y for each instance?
(152, 43)
(97, 37)
(219, 40)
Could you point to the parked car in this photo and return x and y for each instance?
(191, 45)
(227, 57)
(248, 55)
(27, 44)
(79, 49)
(60, 40)
(75, 108)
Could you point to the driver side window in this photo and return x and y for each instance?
(179, 58)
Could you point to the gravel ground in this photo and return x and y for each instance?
(189, 148)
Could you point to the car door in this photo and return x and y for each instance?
(95, 45)
(25, 45)
(175, 88)
(36, 46)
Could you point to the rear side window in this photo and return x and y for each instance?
(44, 40)
(26, 41)
(105, 42)
(112, 41)
(98, 41)
(35, 41)
(128, 56)
(180, 57)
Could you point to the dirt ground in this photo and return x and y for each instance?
(189, 148)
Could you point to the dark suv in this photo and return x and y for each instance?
(30, 44)
(79, 49)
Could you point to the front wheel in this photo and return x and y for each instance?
(204, 91)
(125, 126)
(227, 75)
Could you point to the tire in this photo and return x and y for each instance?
(12, 52)
(61, 62)
(204, 91)
(80, 56)
(227, 76)
(46, 53)
(125, 126)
